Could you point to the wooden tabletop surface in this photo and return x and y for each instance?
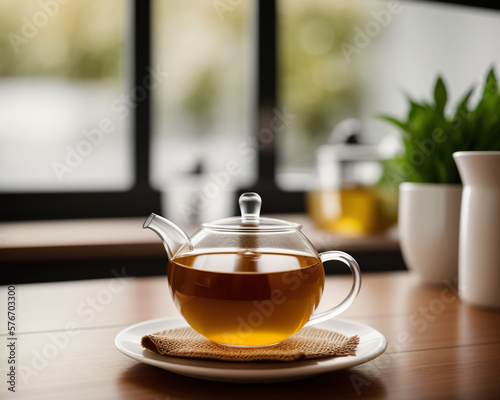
(439, 347)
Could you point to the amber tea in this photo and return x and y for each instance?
(246, 298)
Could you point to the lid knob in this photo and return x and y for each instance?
(250, 208)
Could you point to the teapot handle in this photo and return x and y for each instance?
(356, 285)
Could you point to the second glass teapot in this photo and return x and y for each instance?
(248, 281)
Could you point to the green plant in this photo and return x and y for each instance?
(430, 136)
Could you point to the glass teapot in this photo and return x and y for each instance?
(248, 281)
(347, 197)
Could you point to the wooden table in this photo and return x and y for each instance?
(438, 347)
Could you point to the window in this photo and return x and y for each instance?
(317, 85)
(358, 59)
(63, 120)
(129, 68)
(201, 125)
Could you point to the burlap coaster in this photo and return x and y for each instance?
(306, 344)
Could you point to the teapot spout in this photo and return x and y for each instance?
(171, 235)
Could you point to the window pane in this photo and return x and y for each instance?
(316, 84)
(201, 113)
(360, 58)
(63, 116)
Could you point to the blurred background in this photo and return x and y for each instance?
(67, 66)
(115, 108)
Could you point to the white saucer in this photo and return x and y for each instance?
(372, 344)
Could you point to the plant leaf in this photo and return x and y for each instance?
(400, 124)
(490, 85)
(442, 171)
(462, 109)
(440, 95)
(430, 137)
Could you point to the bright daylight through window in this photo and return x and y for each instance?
(201, 142)
(71, 85)
(63, 96)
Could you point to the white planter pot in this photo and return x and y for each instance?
(429, 224)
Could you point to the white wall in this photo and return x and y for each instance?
(420, 42)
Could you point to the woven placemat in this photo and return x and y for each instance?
(308, 343)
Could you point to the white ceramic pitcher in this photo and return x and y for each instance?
(479, 243)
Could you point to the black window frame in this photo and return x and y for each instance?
(142, 199)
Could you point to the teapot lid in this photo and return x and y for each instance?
(250, 220)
